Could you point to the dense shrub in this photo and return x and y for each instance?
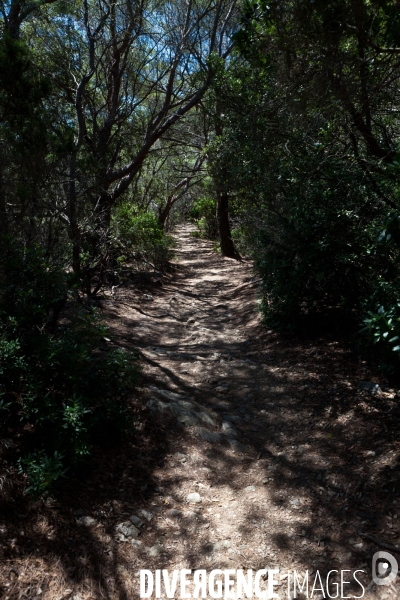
(313, 235)
(140, 239)
(321, 262)
(324, 246)
(382, 304)
(384, 327)
(61, 378)
(203, 214)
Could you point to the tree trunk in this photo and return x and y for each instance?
(164, 214)
(227, 247)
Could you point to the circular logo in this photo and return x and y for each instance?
(384, 568)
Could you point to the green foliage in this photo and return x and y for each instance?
(22, 87)
(140, 238)
(315, 249)
(31, 288)
(42, 471)
(60, 378)
(384, 327)
(203, 214)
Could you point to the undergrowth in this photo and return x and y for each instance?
(61, 380)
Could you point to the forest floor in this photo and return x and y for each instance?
(252, 450)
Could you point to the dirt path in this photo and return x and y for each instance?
(252, 451)
(273, 439)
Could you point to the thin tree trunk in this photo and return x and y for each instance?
(163, 215)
